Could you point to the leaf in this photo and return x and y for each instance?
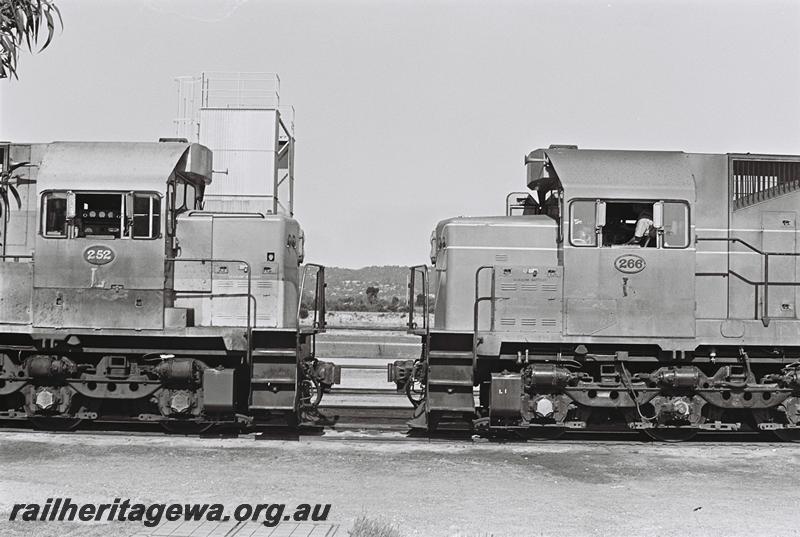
(50, 29)
(20, 23)
(58, 12)
(4, 196)
(17, 165)
(27, 29)
(13, 190)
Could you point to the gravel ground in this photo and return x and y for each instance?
(427, 489)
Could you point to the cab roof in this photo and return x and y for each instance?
(121, 165)
(591, 173)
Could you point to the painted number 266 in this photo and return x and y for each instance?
(629, 263)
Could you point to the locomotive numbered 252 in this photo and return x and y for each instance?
(133, 289)
(648, 290)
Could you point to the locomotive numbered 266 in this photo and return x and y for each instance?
(647, 290)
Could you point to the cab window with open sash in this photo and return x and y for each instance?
(106, 215)
(640, 223)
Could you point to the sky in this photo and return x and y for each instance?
(410, 112)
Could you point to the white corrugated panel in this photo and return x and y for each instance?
(244, 143)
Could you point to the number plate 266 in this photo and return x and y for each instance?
(629, 264)
(98, 255)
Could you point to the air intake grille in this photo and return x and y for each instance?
(759, 180)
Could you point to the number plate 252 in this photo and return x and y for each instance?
(98, 255)
(629, 264)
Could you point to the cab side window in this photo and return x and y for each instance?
(676, 225)
(104, 215)
(583, 223)
(629, 223)
(146, 216)
(99, 215)
(54, 214)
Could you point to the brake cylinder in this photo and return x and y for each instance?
(177, 370)
(547, 375)
(50, 367)
(679, 377)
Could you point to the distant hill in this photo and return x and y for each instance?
(355, 289)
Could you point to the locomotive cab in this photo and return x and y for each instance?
(105, 234)
(614, 278)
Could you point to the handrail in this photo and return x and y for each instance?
(249, 294)
(411, 326)
(475, 310)
(748, 245)
(766, 283)
(319, 290)
(319, 322)
(412, 287)
(16, 258)
(510, 206)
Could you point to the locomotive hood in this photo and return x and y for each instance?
(98, 165)
(612, 174)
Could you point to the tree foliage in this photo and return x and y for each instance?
(372, 294)
(21, 24)
(7, 188)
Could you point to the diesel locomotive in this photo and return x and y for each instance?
(643, 290)
(133, 288)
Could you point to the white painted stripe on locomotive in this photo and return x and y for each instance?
(392, 344)
(500, 224)
(497, 248)
(726, 252)
(734, 230)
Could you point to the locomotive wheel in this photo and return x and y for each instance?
(671, 434)
(186, 427)
(47, 423)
